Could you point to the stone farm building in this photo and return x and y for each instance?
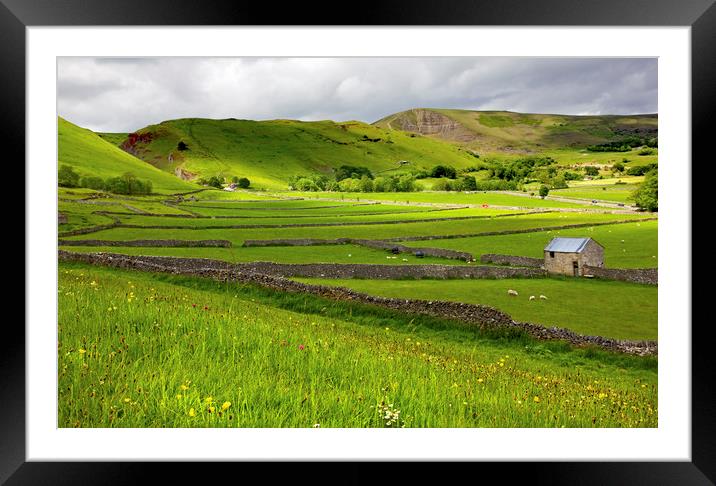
(569, 256)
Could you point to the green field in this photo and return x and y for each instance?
(631, 245)
(491, 198)
(278, 254)
(592, 307)
(618, 193)
(139, 350)
(369, 231)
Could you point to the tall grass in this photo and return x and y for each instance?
(142, 350)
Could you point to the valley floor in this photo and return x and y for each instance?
(148, 350)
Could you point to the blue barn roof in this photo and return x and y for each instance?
(567, 245)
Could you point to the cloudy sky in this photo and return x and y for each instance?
(123, 95)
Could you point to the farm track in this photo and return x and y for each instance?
(579, 200)
(467, 314)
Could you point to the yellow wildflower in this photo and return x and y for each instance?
(536, 399)
(225, 405)
(192, 412)
(82, 351)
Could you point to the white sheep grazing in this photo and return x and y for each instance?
(543, 297)
(532, 297)
(512, 292)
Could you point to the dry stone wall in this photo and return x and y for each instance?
(377, 244)
(519, 261)
(147, 243)
(635, 275)
(468, 314)
(516, 231)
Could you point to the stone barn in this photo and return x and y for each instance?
(568, 256)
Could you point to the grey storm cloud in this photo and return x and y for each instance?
(125, 94)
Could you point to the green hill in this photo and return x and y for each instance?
(269, 152)
(509, 132)
(90, 155)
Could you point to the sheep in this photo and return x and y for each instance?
(543, 297)
(512, 292)
(532, 297)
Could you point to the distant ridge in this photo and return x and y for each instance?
(506, 130)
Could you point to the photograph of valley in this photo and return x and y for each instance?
(438, 242)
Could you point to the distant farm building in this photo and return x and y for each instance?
(569, 256)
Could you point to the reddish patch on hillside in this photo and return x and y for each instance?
(134, 139)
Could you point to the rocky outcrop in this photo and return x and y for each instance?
(184, 174)
(428, 122)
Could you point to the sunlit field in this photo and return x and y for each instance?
(143, 350)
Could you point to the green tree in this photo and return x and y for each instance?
(92, 182)
(543, 191)
(646, 196)
(352, 172)
(443, 171)
(67, 177)
(469, 183)
(443, 185)
(591, 171)
(366, 184)
(215, 181)
(349, 185)
(243, 183)
(559, 183)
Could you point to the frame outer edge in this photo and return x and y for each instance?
(12, 359)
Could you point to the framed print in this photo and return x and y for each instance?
(285, 235)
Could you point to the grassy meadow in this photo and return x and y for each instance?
(593, 307)
(138, 349)
(143, 350)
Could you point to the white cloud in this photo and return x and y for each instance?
(108, 94)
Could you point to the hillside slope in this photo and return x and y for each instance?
(269, 152)
(90, 155)
(504, 131)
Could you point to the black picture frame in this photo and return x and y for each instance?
(700, 15)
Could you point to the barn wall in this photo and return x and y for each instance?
(561, 263)
(592, 255)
